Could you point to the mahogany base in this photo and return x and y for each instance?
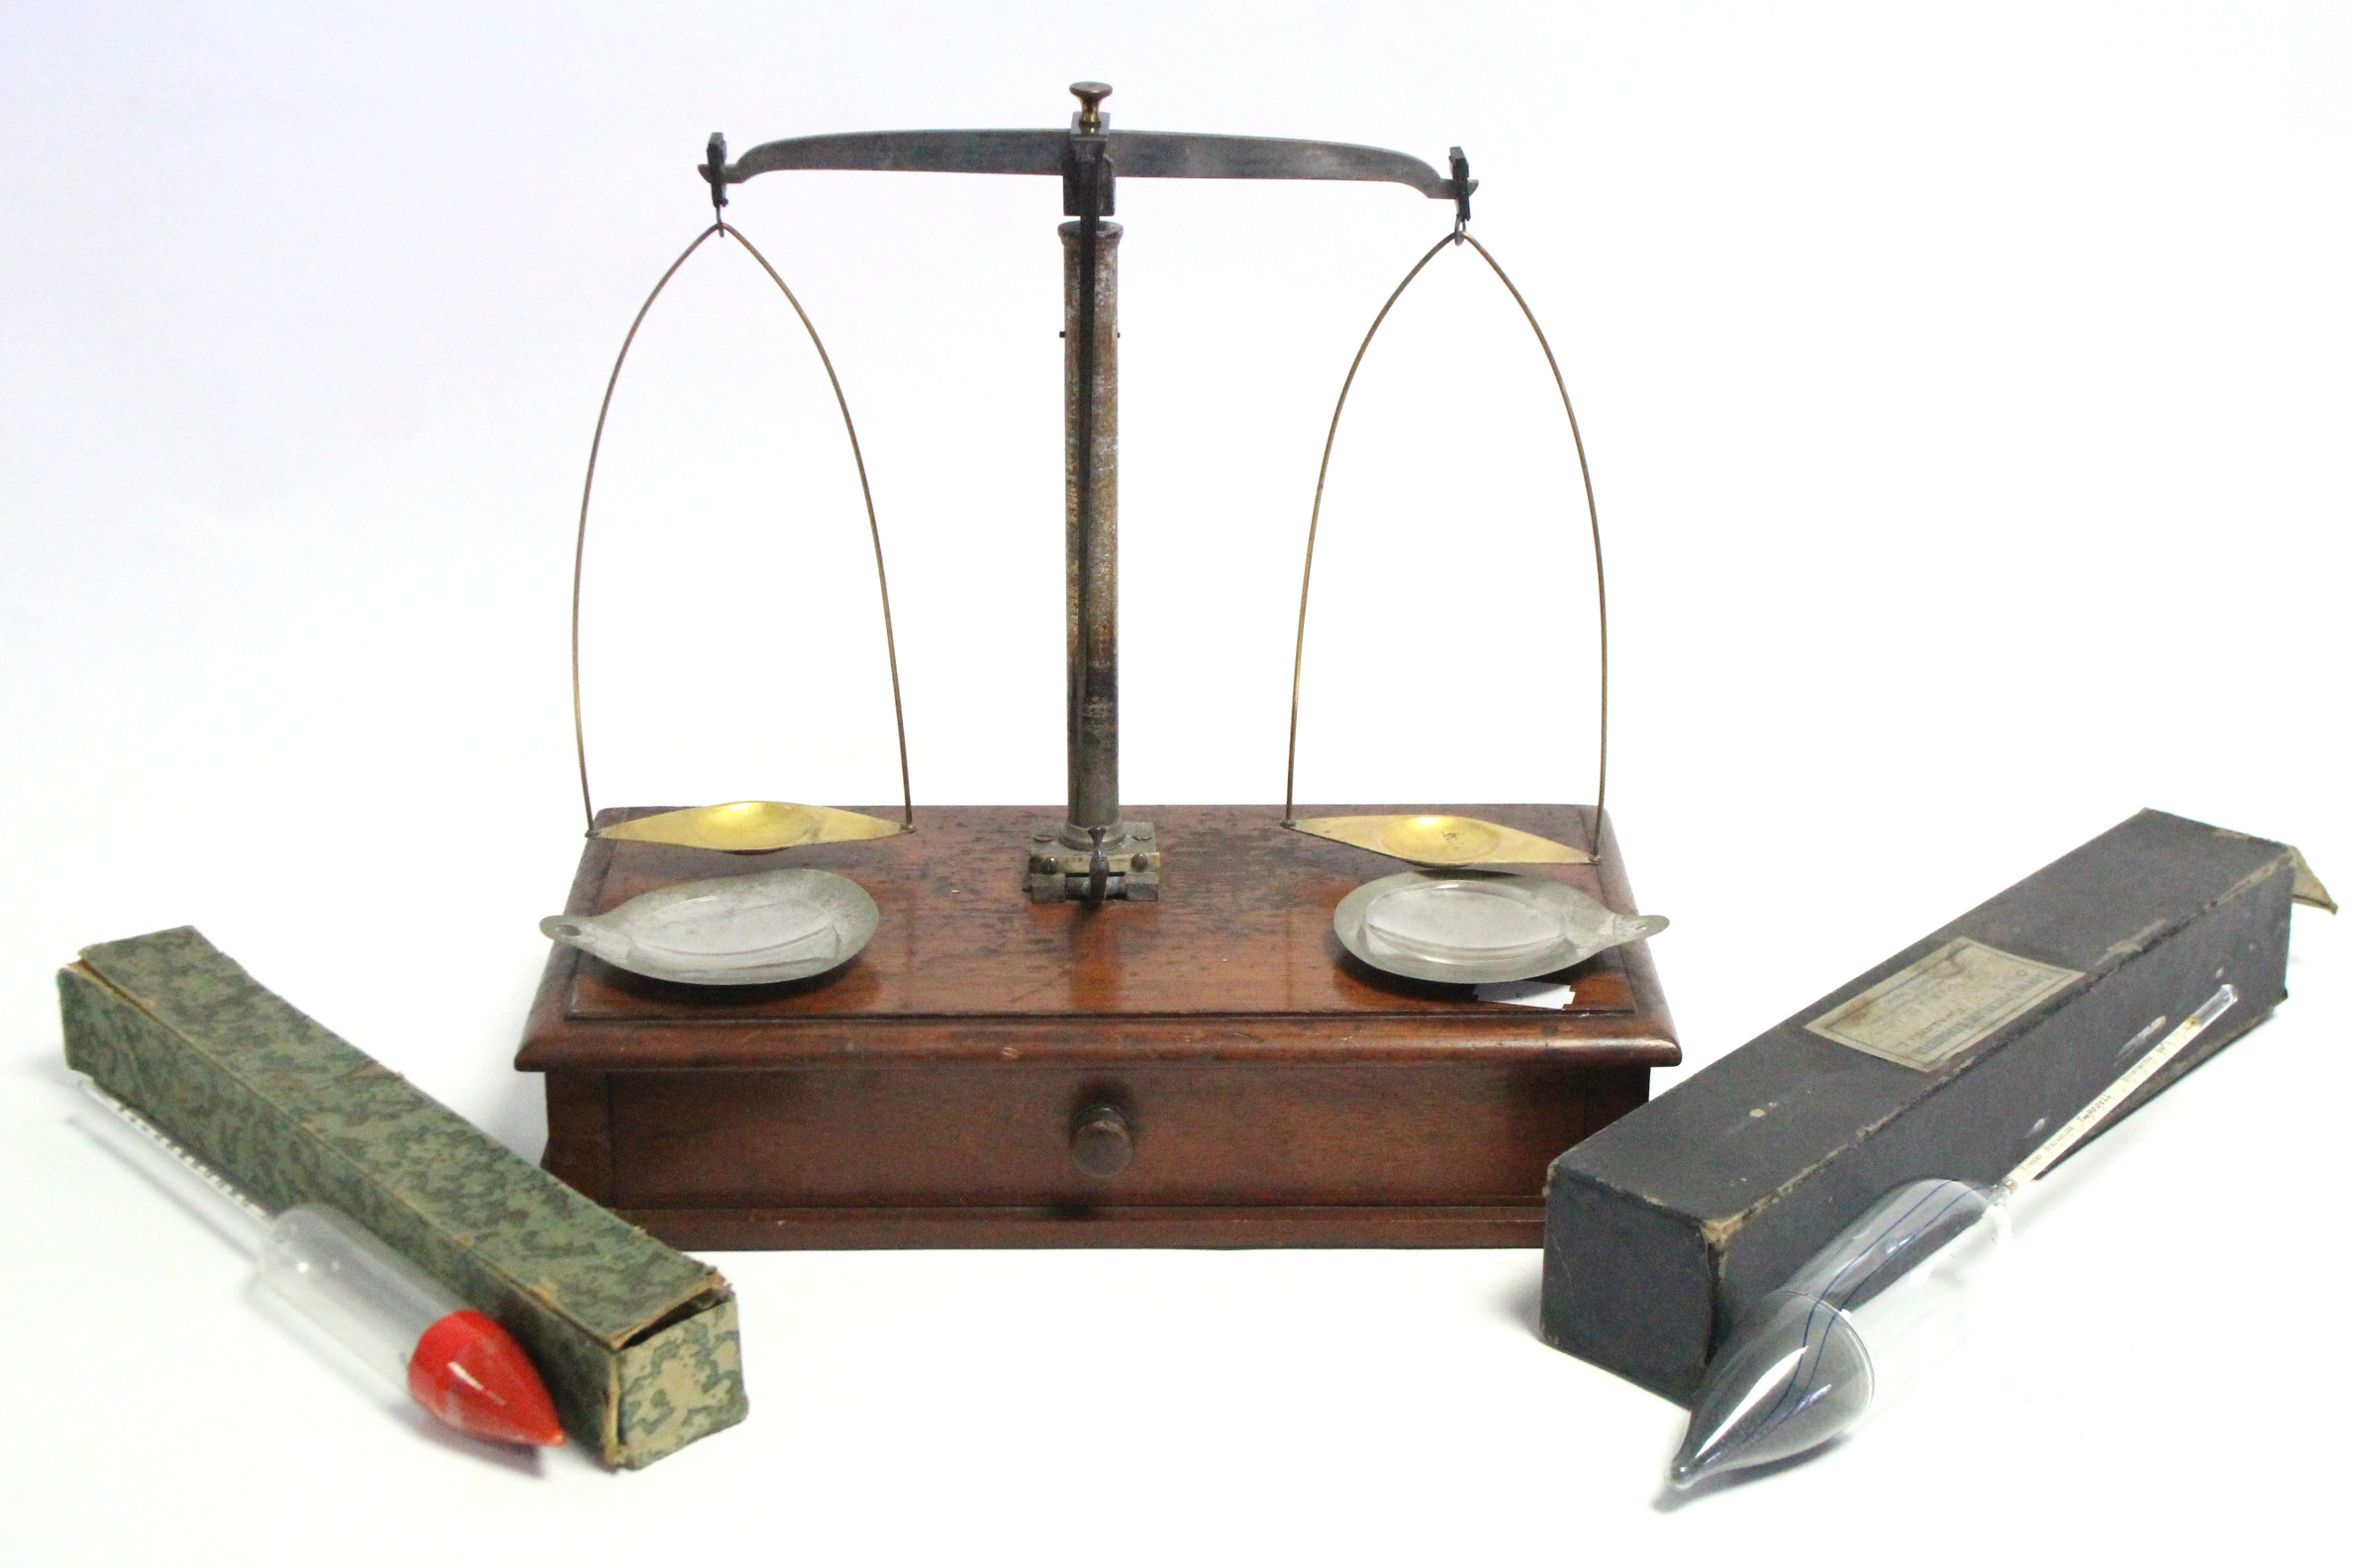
(924, 1095)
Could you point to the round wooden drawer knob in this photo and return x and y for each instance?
(1101, 1140)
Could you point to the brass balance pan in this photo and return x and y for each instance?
(753, 827)
(1443, 841)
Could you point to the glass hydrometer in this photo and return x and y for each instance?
(465, 1370)
(1886, 1300)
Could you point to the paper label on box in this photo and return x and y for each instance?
(1935, 1009)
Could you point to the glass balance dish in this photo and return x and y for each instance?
(751, 929)
(1476, 927)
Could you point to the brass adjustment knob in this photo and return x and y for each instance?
(1090, 95)
(1101, 1140)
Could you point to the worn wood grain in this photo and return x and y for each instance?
(1280, 1092)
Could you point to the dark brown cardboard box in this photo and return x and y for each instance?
(1954, 1057)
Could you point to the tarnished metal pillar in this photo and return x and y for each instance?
(1093, 854)
(1091, 485)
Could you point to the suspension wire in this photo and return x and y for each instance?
(890, 639)
(1593, 517)
(1459, 235)
(587, 488)
(1299, 647)
(874, 529)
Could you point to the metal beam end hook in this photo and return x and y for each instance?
(714, 168)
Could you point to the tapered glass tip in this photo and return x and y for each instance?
(1793, 1376)
(1881, 1301)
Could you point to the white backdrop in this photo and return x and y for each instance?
(1966, 393)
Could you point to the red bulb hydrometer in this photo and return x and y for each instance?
(465, 1370)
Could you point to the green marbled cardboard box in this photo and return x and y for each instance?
(637, 1341)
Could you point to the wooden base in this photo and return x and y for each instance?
(924, 1095)
(1175, 1226)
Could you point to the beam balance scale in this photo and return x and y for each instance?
(772, 1024)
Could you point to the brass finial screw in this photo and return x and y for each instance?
(1090, 96)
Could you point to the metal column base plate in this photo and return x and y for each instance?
(1058, 868)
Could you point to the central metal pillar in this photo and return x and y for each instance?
(1095, 855)
(1091, 488)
